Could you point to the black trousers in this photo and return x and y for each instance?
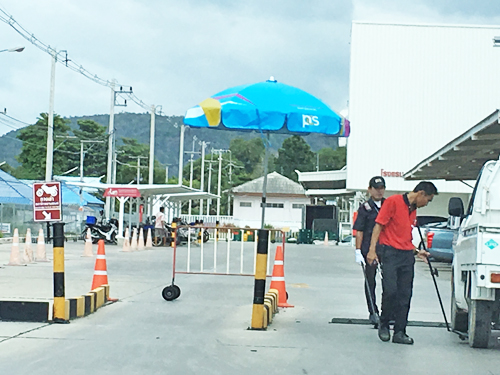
(371, 272)
(397, 285)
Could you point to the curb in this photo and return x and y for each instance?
(271, 299)
(41, 311)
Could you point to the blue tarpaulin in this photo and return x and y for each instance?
(14, 191)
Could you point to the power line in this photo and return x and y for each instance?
(9, 20)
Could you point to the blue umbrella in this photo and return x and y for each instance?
(267, 107)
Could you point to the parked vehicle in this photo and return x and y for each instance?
(438, 236)
(102, 229)
(183, 233)
(475, 300)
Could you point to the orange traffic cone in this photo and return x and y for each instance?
(149, 240)
(140, 244)
(126, 241)
(278, 278)
(28, 250)
(133, 243)
(100, 270)
(15, 256)
(87, 250)
(41, 255)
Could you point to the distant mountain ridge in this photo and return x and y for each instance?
(167, 132)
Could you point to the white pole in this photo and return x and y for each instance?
(152, 145)
(81, 177)
(241, 251)
(50, 127)
(209, 183)
(201, 251)
(228, 239)
(166, 174)
(189, 250)
(219, 184)
(111, 136)
(181, 153)
(203, 145)
(138, 169)
(191, 178)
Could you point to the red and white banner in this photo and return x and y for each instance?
(122, 192)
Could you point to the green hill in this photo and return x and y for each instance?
(134, 125)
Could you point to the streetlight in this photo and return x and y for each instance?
(15, 49)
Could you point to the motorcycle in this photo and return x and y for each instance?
(105, 230)
(183, 233)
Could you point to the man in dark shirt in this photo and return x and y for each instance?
(393, 231)
(365, 221)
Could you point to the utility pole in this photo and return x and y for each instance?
(230, 174)
(111, 169)
(209, 181)
(191, 171)
(152, 145)
(50, 120)
(219, 178)
(203, 146)
(139, 166)
(181, 152)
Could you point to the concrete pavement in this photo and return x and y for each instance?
(205, 330)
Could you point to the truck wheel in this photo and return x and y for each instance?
(479, 323)
(459, 318)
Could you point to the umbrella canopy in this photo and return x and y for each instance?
(269, 107)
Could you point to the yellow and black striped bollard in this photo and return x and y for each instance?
(59, 295)
(258, 310)
(174, 234)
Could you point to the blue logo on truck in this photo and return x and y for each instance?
(491, 244)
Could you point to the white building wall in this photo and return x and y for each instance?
(413, 88)
(277, 217)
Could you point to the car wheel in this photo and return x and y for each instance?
(459, 318)
(479, 323)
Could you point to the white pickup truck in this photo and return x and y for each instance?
(475, 301)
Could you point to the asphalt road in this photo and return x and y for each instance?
(205, 330)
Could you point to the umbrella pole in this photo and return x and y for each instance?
(264, 186)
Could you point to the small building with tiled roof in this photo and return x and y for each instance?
(285, 201)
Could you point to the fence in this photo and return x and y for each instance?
(228, 251)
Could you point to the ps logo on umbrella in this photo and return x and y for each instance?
(308, 120)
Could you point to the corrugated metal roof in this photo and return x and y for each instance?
(463, 157)
(276, 184)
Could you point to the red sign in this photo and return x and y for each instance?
(122, 192)
(47, 201)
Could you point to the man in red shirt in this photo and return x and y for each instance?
(393, 233)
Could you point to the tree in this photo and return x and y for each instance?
(95, 153)
(33, 154)
(294, 154)
(127, 161)
(330, 159)
(250, 153)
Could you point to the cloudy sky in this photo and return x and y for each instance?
(177, 53)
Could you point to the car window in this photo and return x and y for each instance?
(473, 196)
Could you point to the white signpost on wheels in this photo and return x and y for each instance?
(47, 202)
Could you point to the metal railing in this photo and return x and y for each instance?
(228, 251)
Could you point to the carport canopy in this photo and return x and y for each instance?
(462, 158)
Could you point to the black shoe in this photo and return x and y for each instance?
(374, 319)
(402, 338)
(383, 332)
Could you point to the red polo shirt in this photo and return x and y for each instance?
(397, 219)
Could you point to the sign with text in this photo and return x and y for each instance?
(122, 192)
(47, 201)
